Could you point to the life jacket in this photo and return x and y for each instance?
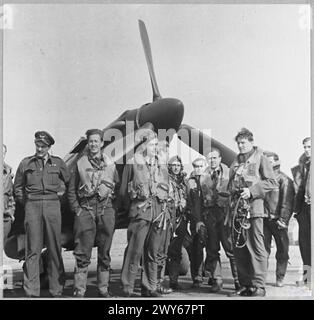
(220, 195)
(178, 190)
(94, 181)
(148, 182)
(246, 174)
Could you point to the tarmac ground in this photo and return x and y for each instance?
(290, 290)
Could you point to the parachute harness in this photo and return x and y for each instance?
(240, 223)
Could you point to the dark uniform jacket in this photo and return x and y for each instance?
(195, 197)
(301, 175)
(220, 187)
(253, 171)
(205, 193)
(35, 182)
(284, 205)
(8, 199)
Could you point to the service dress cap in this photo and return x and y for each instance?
(45, 137)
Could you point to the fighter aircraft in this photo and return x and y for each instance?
(161, 113)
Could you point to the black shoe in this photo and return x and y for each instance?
(242, 292)
(163, 290)
(57, 296)
(216, 287)
(128, 294)
(301, 283)
(175, 286)
(107, 294)
(78, 294)
(32, 296)
(196, 284)
(150, 294)
(210, 281)
(258, 292)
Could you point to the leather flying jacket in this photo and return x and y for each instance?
(284, 207)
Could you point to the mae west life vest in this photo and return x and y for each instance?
(148, 182)
(178, 191)
(94, 181)
(246, 174)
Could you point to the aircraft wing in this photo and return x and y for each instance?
(203, 143)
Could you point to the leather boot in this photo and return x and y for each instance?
(161, 289)
(216, 286)
(103, 277)
(173, 270)
(80, 280)
(43, 269)
(281, 268)
(234, 272)
(242, 292)
(306, 278)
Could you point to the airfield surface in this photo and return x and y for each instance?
(289, 291)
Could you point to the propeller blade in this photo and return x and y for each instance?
(203, 143)
(149, 59)
(118, 124)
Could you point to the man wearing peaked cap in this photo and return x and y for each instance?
(44, 137)
(37, 183)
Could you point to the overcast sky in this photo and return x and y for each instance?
(68, 68)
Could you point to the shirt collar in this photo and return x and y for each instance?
(46, 158)
(217, 170)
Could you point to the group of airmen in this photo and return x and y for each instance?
(241, 208)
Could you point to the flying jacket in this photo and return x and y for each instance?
(300, 175)
(146, 182)
(89, 181)
(284, 205)
(178, 188)
(100, 181)
(143, 188)
(220, 197)
(8, 199)
(256, 174)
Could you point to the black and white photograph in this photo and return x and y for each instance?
(156, 152)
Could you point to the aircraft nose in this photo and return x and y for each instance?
(166, 113)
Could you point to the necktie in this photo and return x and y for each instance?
(41, 161)
(215, 177)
